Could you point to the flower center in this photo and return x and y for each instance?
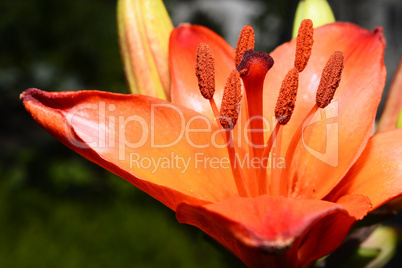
(252, 67)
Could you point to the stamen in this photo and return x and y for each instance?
(276, 188)
(230, 107)
(287, 97)
(330, 79)
(286, 178)
(304, 44)
(246, 41)
(235, 165)
(283, 112)
(205, 71)
(261, 174)
(329, 82)
(253, 68)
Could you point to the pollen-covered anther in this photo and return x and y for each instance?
(304, 44)
(230, 107)
(246, 41)
(205, 71)
(287, 97)
(330, 79)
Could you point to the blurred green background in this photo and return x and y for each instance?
(58, 209)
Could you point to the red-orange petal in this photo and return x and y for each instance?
(184, 41)
(333, 144)
(323, 238)
(116, 132)
(378, 171)
(328, 233)
(258, 230)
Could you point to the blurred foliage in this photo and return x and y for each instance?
(60, 45)
(56, 208)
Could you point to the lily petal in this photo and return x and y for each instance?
(184, 42)
(144, 29)
(330, 230)
(127, 133)
(378, 171)
(253, 227)
(325, 236)
(332, 142)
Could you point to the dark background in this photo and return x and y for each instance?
(58, 209)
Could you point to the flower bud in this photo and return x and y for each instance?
(385, 240)
(399, 120)
(144, 28)
(318, 11)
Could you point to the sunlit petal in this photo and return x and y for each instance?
(253, 228)
(127, 133)
(183, 46)
(378, 171)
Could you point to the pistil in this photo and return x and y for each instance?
(253, 68)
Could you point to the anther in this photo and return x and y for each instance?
(304, 44)
(287, 97)
(230, 107)
(330, 79)
(205, 71)
(246, 41)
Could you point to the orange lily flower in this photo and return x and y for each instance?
(330, 172)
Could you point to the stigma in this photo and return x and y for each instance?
(251, 68)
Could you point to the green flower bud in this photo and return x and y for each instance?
(144, 30)
(318, 11)
(399, 120)
(385, 240)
